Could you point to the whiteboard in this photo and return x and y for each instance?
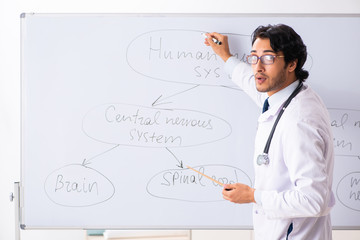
(114, 106)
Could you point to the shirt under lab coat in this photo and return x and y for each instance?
(295, 187)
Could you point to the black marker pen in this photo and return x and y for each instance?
(213, 39)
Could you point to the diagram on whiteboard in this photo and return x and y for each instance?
(156, 126)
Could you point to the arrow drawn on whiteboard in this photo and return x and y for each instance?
(180, 165)
(160, 100)
(233, 88)
(88, 161)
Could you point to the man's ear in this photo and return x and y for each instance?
(292, 65)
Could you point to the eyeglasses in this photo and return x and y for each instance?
(265, 59)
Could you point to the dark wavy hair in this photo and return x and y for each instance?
(283, 38)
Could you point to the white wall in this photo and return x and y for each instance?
(10, 11)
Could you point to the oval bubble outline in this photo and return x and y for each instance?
(165, 80)
(337, 188)
(344, 109)
(161, 109)
(185, 200)
(88, 168)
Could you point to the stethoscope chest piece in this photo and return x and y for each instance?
(263, 159)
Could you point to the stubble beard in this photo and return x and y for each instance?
(275, 85)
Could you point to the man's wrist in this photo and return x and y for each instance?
(225, 57)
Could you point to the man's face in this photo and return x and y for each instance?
(273, 77)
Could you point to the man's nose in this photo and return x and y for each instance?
(259, 67)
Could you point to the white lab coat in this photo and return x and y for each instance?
(295, 187)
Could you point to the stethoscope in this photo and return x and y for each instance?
(264, 157)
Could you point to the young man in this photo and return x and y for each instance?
(292, 193)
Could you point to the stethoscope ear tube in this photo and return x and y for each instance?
(264, 157)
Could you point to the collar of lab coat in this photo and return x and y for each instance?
(277, 100)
